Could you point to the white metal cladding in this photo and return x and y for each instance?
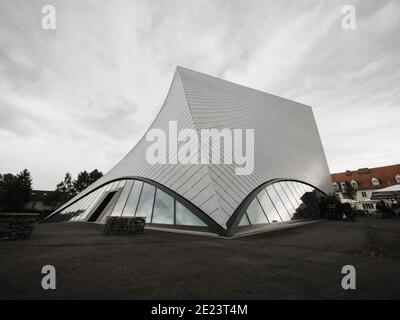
(287, 143)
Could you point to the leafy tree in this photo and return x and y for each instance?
(64, 191)
(68, 188)
(95, 175)
(25, 185)
(82, 181)
(85, 179)
(15, 190)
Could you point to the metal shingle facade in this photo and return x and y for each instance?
(287, 144)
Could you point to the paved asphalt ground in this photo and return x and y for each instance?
(299, 263)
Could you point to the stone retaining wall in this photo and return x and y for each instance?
(124, 225)
(15, 226)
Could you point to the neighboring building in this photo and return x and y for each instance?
(40, 200)
(365, 181)
(290, 169)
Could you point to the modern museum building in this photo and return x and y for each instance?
(282, 182)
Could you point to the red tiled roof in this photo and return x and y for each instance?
(385, 175)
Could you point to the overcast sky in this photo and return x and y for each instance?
(79, 97)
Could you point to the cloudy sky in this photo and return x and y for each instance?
(79, 97)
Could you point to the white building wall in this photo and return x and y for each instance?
(287, 143)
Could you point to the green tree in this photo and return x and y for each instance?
(15, 190)
(25, 186)
(68, 188)
(95, 175)
(85, 179)
(64, 191)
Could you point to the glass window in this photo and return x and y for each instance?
(268, 207)
(307, 187)
(290, 195)
(244, 221)
(294, 190)
(301, 210)
(145, 205)
(73, 211)
(295, 194)
(276, 200)
(114, 185)
(336, 186)
(375, 181)
(87, 200)
(80, 204)
(121, 183)
(94, 201)
(301, 187)
(163, 208)
(256, 213)
(72, 207)
(94, 198)
(78, 209)
(306, 212)
(186, 217)
(133, 199)
(286, 202)
(107, 187)
(119, 207)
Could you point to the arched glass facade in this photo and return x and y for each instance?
(130, 198)
(281, 202)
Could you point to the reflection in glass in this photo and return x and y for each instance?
(268, 207)
(244, 221)
(255, 213)
(279, 202)
(145, 205)
(283, 201)
(163, 208)
(186, 217)
(133, 199)
(119, 207)
(304, 212)
(92, 201)
(290, 195)
(276, 200)
(286, 202)
(121, 183)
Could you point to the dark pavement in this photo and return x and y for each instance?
(300, 263)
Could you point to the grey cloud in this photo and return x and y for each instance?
(95, 84)
(113, 116)
(16, 120)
